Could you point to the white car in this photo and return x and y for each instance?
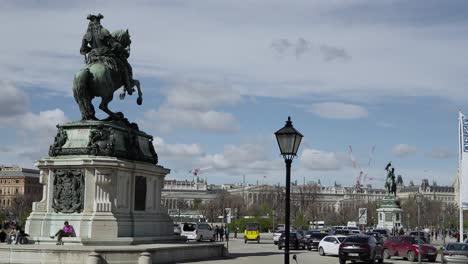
(197, 231)
(329, 245)
(276, 236)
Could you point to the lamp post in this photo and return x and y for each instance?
(289, 140)
(443, 207)
(419, 199)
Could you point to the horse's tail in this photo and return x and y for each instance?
(82, 94)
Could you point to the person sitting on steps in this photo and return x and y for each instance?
(66, 231)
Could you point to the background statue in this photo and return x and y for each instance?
(106, 69)
(390, 183)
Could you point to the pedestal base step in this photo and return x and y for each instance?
(133, 254)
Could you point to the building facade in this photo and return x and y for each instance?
(19, 184)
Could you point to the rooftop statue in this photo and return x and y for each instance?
(105, 71)
(390, 183)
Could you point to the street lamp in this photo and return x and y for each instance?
(443, 207)
(419, 199)
(289, 140)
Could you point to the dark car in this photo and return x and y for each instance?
(407, 247)
(344, 232)
(360, 247)
(423, 235)
(385, 233)
(376, 235)
(314, 239)
(455, 253)
(296, 240)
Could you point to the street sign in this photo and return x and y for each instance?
(363, 216)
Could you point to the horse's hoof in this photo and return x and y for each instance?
(139, 100)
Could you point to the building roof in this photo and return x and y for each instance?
(18, 172)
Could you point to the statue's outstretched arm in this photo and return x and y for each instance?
(84, 47)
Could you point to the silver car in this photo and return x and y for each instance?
(455, 253)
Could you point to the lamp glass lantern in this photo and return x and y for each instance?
(289, 140)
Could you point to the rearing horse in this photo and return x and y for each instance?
(99, 80)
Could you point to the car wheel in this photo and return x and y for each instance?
(258, 240)
(296, 246)
(200, 239)
(245, 241)
(280, 247)
(371, 260)
(342, 261)
(275, 242)
(432, 259)
(321, 252)
(411, 256)
(386, 254)
(380, 260)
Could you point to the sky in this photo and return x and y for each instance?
(220, 77)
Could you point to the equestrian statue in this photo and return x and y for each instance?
(106, 69)
(390, 183)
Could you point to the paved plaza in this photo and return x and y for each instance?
(267, 252)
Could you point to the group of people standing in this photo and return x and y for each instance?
(221, 233)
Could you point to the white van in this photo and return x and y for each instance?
(197, 231)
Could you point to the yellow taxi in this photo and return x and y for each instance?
(252, 232)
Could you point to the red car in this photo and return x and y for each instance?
(407, 247)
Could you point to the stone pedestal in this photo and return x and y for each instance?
(390, 213)
(106, 199)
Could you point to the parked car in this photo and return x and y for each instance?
(426, 237)
(343, 232)
(314, 239)
(354, 232)
(407, 247)
(296, 240)
(329, 245)
(455, 253)
(177, 229)
(197, 231)
(360, 247)
(276, 236)
(376, 235)
(385, 233)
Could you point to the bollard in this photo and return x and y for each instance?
(94, 258)
(145, 258)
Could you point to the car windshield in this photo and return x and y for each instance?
(290, 234)
(189, 227)
(318, 235)
(341, 239)
(356, 239)
(251, 227)
(381, 231)
(414, 240)
(458, 247)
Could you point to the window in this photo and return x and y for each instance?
(16, 190)
(17, 181)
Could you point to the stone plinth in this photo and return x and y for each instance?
(106, 199)
(389, 213)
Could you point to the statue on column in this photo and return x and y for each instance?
(105, 71)
(390, 183)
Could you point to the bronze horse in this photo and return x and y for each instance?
(99, 80)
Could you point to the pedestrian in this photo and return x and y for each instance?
(235, 232)
(221, 234)
(226, 233)
(217, 233)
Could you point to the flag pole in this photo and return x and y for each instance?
(460, 171)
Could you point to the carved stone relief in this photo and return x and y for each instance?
(68, 192)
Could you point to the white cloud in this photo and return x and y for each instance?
(402, 150)
(319, 160)
(336, 110)
(176, 150)
(441, 153)
(35, 134)
(13, 101)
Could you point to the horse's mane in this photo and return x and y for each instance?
(122, 36)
